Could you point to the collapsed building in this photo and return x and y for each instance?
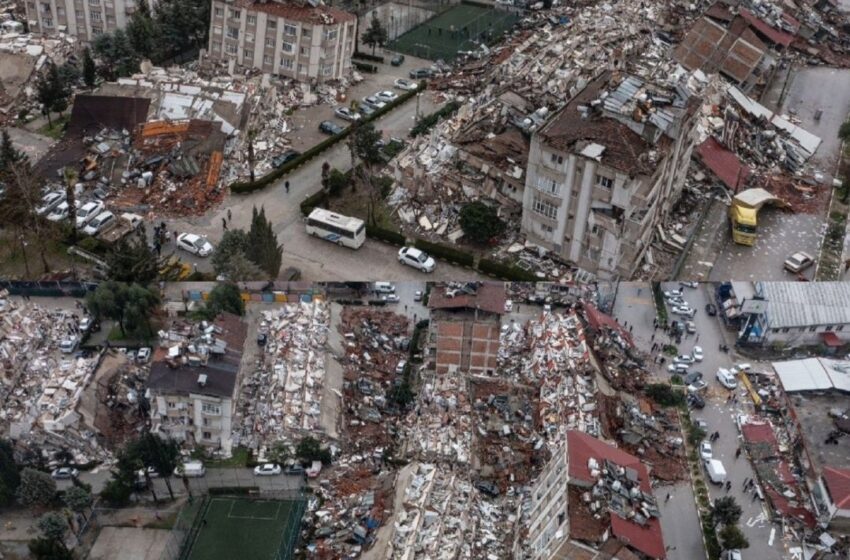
(193, 381)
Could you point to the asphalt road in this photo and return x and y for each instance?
(680, 527)
(319, 260)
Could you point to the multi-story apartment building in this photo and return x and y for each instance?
(301, 41)
(81, 18)
(605, 171)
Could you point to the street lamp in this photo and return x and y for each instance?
(418, 96)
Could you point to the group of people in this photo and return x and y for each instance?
(161, 237)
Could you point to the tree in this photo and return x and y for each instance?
(78, 499)
(375, 35)
(844, 131)
(116, 492)
(225, 297)
(726, 511)
(53, 526)
(10, 478)
(49, 91)
(280, 452)
(130, 305)
(310, 449)
(69, 75)
(731, 538)
(182, 25)
(132, 260)
(364, 145)
(116, 55)
(142, 31)
(663, 394)
(252, 134)
(48, 549)
(70, 183)
(263, 248)
(480, 222)
(230, 257)
(18, 208)
(89, 69)
(402, 394)
(37, 488)
(10, 157)
(161, 454)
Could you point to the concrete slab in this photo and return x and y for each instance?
(128, 543)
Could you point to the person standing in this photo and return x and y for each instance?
(224, 224)
(229, 216)
(286, 186)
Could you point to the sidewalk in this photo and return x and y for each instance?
(707, 244)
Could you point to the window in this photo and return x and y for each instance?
(80, 13)
(210, 408)
(839, 328)
(289, 29)
(286, 63)
(171, 404)
(235, 14)
(269, 41)
(219, 12)
(231, 49)
(95, 15)
(96, 30)
(303, 51)
(206, 422)
(330, 35)
(544, 208)
(110, 19)
(785, 330)
(547, 228)
(813, 329)
(248, 56)
(271, 24)
(326, 70)
(267, 59)
(207, 435)
(547, 185)
(829, 328)
(594, 230)
(60, 11)
(249, 37)
(306, 33)
(300, 68)
(604, 181)
(232, 32)
(252, 20)
(287, 47)
(557, 159)
(48, 22)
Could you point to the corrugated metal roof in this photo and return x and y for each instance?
(801, 304)
(813, 374)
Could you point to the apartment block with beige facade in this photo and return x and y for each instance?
(83, 19)
(295, 40)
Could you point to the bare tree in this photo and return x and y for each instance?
(19, 207)
(70, 197)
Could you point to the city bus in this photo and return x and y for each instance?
(350, 232)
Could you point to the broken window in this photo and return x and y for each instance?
(603, 181)
(557, 159)
(829, 328)
(326, 70)
(544, 208)
(248, 56)
(269, 41)
(48, 22)
(232, 32)
(211, 409)
(330, 34)
(96, 30)
(207, 435)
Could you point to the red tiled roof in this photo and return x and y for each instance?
(489, 297)
(838, 484)
(761, 432)
(581, 447)
(723, 163)
(645, 538)
(776, 35)
(596, 319)
(295, 12)
(831, 339)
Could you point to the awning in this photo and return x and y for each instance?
(831, 339)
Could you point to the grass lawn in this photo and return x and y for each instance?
(116, 336)
(13, 263)
(57, 129)
(240, 458)
(356, 204)
(461, 28)
(243, 528)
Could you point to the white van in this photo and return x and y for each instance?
(384, 288)
(727, 378)
(716, 471)
(191, 469)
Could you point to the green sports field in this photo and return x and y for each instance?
(461, 28)
(246, 528)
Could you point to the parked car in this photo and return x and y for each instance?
(64, 473)
(50, 201)
(397, 60)
(88, 324)
(268, 469)
(420, 73)
(60, 212)
(740, 368)
(710, 309)
(152, 473)
(366, 110)
(798, 262)
(684, 310)
(726, 378)
(391, 298)
(194, 244)
(487, 488)
(689, 284)
(733, 554)
(68, 345)
(314, 469)
(374, 102)
(384, 288)
(406, 85)
(88, 212)
(696, 401)
(143, 355)
(697, 386)
(417, 295)
(697, 353)
(190, 469)
(672, 294)
(509, 306)
(690, 327)
(100, 223)
(262, 339)
(294, 469)
(684, 359)
(347, 114)
(692, 377)
(399, 369)
(330, 127)
(287, 156)
(677, 368)
(417, 259)
(386, 95)
(705, 451)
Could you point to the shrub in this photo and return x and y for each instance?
(427, 122)
(481, 222)
(233, 490)
(676, 379)
(506, 271)
(311, 202)
(663, 394)
(446, 253)
(386, 235)
(363, 67)
(367, 56)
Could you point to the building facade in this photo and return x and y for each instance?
(83, 19)
(300, 41)
(605, 171)
(549, 520)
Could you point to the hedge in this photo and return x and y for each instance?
(367, 56)
(311, 202)
(506, 271)
(363, 67)
(251, 186)
(427, 122)
(446, 253)
(387, 235)
(237, 490)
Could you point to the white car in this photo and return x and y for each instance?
(100, 223)
(386, 95)
(50, 201)
(391, 298)
(690, 327)
(194, 244)
(347, 114)
(684, 359)
(374, 102)
(60, 212)
(798, 262)
(684, 310)
(733, 554)
(406, 85)
(672, 294)
(726, 378)
(697, 386)
(419, 260)
(399, 368)
(68, 345)
(705, 451)
(741, 368)
(152, 473)
(143, 355)
(697, 353)
(64, 473)
(268, 469)
(88, 212)
(86, 323)
(509, 306)
(678, 367)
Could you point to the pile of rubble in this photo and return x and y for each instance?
(281, 400)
